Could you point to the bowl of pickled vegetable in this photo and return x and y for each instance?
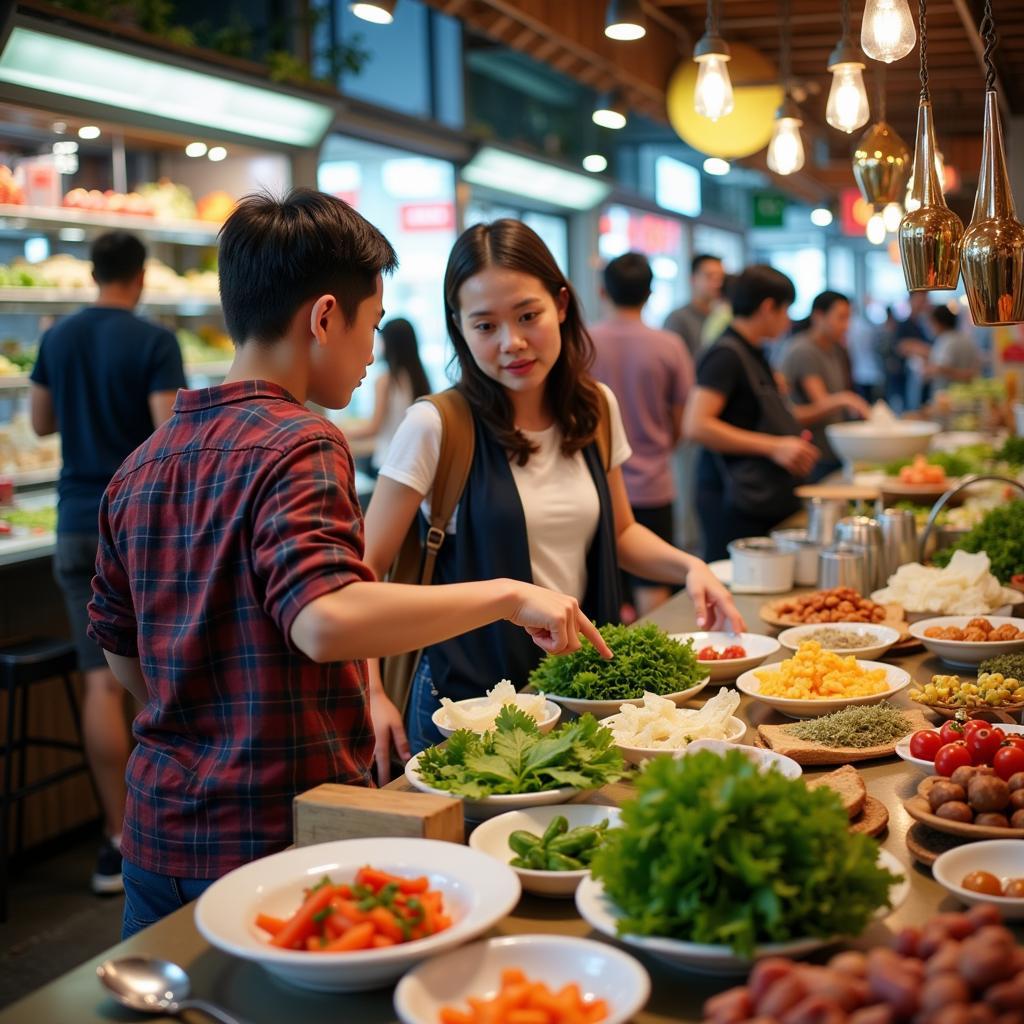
(549, 848)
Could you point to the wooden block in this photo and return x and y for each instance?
(354, 812)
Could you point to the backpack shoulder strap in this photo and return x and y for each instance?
(603, 436)
(458, 443)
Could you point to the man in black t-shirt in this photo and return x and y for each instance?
(752, 449)
(105, 379)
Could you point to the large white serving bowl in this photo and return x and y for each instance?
(877, 442)
(903, 750)
(600, 913)
(967, 653)
(758, 648)
(478, 892)
(491, 838)
(896, 678)
(883, 637)
(489, 806)
(736, 729)
(552, 712)
(604, 708)
(600, 970)
(764, 759)
(1003, 858)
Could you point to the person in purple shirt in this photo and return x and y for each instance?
(651, 375)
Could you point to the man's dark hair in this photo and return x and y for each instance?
(824, 302)
(699, 260)
(944, 317)
(276, 254)
(117, 257)
(627, 280)
(757, 283)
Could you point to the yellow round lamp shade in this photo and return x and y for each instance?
(749, 127)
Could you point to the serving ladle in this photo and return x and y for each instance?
(155, 986)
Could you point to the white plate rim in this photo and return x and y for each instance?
(916, 630)
(412, 774)
(671, 751)
(549, 717)
(583, 701)
(786, 636)
(743, 684)
(903, 745)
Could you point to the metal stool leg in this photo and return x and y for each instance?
(5, 804)
(19, 803)
(69, 692)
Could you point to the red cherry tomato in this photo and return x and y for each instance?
(952, 731)
(734, 652)
(1008, 761)
(707, 654)
(1014, 740)
(926, 744)
(984, 744)
(951, 756)
(975, 723)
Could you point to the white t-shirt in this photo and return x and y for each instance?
(399, 398)
(559, 499)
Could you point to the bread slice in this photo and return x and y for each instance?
(847, 783)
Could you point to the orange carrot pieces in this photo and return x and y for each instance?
(359, 936)
(269, 924)
(301, 925)
(521, 1001)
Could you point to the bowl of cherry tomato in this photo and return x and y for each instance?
(991, 871)
(974, 742)
(729, 655)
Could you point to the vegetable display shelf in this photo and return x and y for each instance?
(21, 381)
(63, 300)
(39, 218)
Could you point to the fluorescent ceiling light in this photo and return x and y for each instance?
(195, 149)
(67, 67)
(717, 166)
(89, 131)
(595, 163)
(534, 179)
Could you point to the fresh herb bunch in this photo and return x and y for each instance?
(713, 851)
(517, 758)
(646, 659)
(857, 727)
(1012, 451)
(1000, 535)
(1009, 665)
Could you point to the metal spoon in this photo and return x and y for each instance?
(154, 986)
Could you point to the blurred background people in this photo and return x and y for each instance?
(706, 279)
(954, 356)
(914, 338)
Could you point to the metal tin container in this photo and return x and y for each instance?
(759, 565)
(899, 538)
(806, 551)
(822, 516)
(844, 565)
(865, 532)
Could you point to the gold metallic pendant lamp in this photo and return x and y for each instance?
(992, 257)
(931, 233)
(881, 159)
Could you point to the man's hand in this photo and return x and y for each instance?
(794, 454)
(554, 621)
(387, 729)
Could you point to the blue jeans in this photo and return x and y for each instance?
(423, 702)
(148, 897)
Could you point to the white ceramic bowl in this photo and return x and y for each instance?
(491, 838)
(600, 970)
(765, 759)
(1003, 858)
(604, 708)
(760, 566)
(883, 637)
(876, 442)
(903, 747)
(736, 730)
(966, 653)
(478, 892)
(896, 678)
(600, 913)
(489, 806)
(758, 648)
(552, 712)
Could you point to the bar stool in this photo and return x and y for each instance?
(22, 665)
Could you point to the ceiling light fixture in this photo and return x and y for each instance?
(712, 96)
(624, 20)
(875, 229)
(891, 217)
(786, 149)
(717, 166)
(610, 112)
(217, 153)
(379, 12)
(89, 131)
(595, 163)
(847, 108)
(821, 217)
(195, 149)
(887, 30)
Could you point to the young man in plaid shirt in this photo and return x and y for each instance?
(230, 595)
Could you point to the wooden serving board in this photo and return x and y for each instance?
(920, 810)
(838, 492)
(926, 845)
(777, 738)
(894, 617)
(1004, 713)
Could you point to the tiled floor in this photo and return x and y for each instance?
(54, 921)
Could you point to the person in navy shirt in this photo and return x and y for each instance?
(105, 378)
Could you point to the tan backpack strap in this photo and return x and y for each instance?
(458, 442)
(603, 435)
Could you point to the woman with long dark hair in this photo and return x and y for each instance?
(542, 502)
(396, 388)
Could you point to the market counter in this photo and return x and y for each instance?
(678, 995)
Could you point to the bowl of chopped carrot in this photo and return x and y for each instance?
(357, 913)
(525, 978)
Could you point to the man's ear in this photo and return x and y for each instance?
(319, 317)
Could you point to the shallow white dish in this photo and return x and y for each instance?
(896, 678)
(489, 806)
(736, 730)
(600, 970)
(492, 838)
(599, 912)
(604, 708)
(903, 748)
(880, 442)
(757, 646)
(552, 712)
(1003, 858)
(885, 637)
(765, 759)
(477, 890)
(967, 653)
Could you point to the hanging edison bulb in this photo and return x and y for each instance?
(712, 96)
(887, 30)
(847, 108)
(875, 229)
(786, 149)
(891, 217)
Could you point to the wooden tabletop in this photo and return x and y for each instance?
(678, 995)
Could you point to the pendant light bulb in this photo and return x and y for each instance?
(875, 229)
(624, 20)
(377, 12)
(786, 149)
(887, 30)
(609, 112)
(713, 96)
(891, 217)
(847, 107)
